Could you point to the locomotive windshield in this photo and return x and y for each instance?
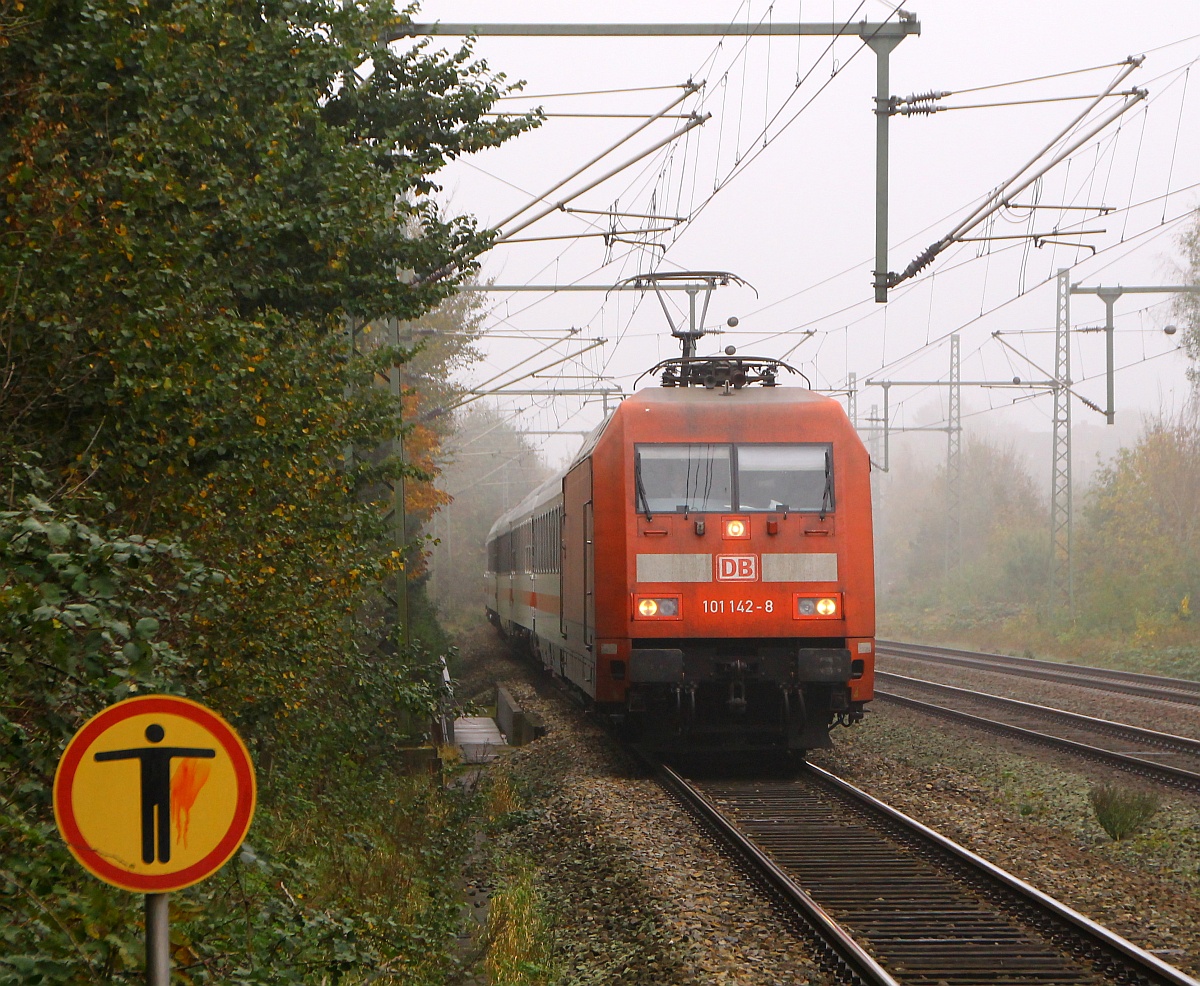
(684, 478)
(749, 478)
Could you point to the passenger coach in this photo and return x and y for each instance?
(703, 569)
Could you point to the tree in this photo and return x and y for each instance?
(1139, 544)
(197, 197)
(1187, 306)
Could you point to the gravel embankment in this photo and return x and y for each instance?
(639, 895)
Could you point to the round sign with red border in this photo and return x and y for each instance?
(154, 793)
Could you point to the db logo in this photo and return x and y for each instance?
(737, 568)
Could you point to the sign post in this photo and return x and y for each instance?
(152, 795)
(158, 940)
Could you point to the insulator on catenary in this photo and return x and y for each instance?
(924, 97)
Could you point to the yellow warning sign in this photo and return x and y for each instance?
(154, 794)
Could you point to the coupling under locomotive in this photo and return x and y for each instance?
(703, 570)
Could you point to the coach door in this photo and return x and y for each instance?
(576, 598)
(589, 576)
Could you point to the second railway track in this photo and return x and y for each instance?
(1161, 757)
(1181, 690)
(928, 911)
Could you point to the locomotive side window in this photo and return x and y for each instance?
(784, 477)
(683, 478)
(716, 478)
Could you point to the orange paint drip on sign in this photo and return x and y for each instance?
(190, 776)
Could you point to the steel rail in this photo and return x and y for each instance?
(847, 957)
(1108, 727)
(1180, 690)
(1144, 962)
(933, 910)
(1163, 773)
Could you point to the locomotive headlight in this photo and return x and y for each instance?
(826, 607)
(735, 527)
(656, 608)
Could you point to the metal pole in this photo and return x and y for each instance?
(1109, 296)
(905, 25)
(875, 452)
(852, 399)
(954, 464)
(158, 940)
(887, 438)
(1060, 479)
(689, 344)
(882, 46)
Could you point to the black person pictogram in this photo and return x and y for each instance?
(156, 787)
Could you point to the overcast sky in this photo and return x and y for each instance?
(794, 214)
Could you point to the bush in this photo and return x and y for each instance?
(1122, 811)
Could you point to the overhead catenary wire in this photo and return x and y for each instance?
(689, 89)
(618, 255)
(742, 162)
(674, 135)
(1021, 179)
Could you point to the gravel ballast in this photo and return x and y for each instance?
(638, 894)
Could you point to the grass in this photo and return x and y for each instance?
(1173, 651)
(519, 937)
(502, 797)
(1122, 811)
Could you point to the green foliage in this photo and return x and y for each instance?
(376, 896)
(1139, 544)
(197, 197)
(87, 617)
(1122, 811)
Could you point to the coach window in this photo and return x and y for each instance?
(785, 477)
(682, 478)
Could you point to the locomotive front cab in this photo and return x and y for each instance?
(749, 605)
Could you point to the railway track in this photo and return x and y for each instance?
(1180, 690)
(1161, 757)
(928, 911)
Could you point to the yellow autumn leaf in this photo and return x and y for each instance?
(260, 420)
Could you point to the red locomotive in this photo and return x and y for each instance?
(704, 567)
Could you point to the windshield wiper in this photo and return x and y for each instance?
(639, 486)
(827, 496)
